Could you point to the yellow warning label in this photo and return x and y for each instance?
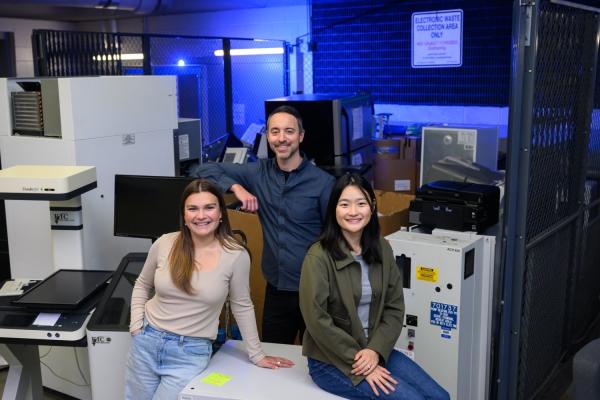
(427, 274)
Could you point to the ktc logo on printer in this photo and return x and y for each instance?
(66, 218)
(100, 340)
(62, 217)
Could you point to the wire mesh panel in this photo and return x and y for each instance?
(255, 77)
(544, 309)
(586, 306)
(200, 79)
(132, 54)
(64, 53)
(560, 121)
(593, 155)
(547, 238)
(559, 116)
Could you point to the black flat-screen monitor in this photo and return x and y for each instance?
(147, 206)
(64, 289)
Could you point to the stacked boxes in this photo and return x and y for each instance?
(397, 165)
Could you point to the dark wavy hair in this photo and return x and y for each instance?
(181, 257)
(332, 238)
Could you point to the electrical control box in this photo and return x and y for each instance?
(447, 280)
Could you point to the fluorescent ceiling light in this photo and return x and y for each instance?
(251, 52)
(132, 56)
(124, 57)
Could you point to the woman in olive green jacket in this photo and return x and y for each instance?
(352, 302)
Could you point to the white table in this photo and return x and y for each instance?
(249, 382)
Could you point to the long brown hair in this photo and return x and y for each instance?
(181, 257)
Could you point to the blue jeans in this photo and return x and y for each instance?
(161, 363)
(413, 381)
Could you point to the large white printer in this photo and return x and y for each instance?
(448, 286)
(119, 124)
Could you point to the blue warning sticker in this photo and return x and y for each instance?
(444, 315)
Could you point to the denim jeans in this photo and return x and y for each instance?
(161, 363)
(413, 381)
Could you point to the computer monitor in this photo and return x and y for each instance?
(147, 206)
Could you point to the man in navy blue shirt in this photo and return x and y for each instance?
(290, 195)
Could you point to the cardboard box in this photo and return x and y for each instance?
(410, 148)
(250, 225)
(392, 210)
(387, 148)
(396, 175)
(404, 148)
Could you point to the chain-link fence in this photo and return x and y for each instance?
(250, 92)
(225, 90)
(62, 53)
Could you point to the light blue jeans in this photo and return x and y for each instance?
(413, 381)
(161, 363)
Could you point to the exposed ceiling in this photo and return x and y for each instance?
(91, 10)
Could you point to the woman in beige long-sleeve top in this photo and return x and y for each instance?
(191, 273)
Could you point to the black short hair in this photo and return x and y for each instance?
(288, 110)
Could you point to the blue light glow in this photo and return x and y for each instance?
(181, 63)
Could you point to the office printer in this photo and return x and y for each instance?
(456, 206)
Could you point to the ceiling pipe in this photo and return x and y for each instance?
(141, 7)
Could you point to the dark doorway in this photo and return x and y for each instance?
(8, 66)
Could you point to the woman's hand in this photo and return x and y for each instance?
(136, 332)
(275, 362)
(382, 379)
(365, 362)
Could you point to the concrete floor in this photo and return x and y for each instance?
(48, 393)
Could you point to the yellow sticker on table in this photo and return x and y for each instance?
(427, 274)
(216, 379)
